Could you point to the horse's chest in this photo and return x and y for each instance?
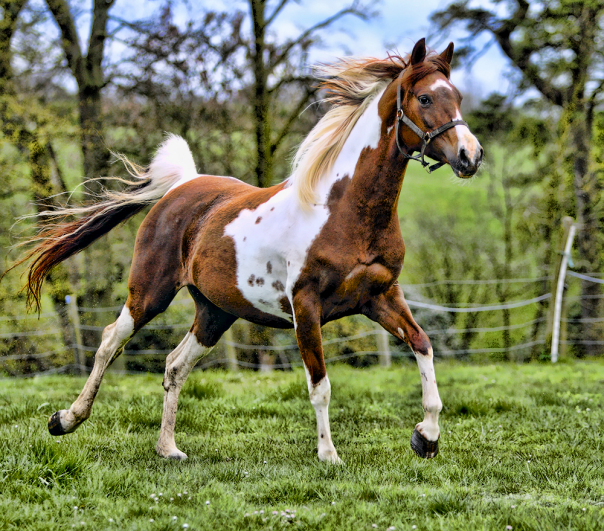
(271, 248)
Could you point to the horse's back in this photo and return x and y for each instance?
(182, 241)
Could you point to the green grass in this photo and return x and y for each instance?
(521, 446)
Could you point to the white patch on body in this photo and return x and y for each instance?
(281, 232)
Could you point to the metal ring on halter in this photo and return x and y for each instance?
(426, 137)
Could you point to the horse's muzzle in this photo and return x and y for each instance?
(467, 164)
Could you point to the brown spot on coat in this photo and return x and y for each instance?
(260, 281)
(269, 268)
(258, 219)
(278, 285)
(250, 280)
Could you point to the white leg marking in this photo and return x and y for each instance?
(320, 395)
(115, 337)
(431, 399)
(179, 364)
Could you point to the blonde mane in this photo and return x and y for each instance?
(351, 84)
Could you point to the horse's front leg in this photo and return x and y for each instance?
(307, 311)
(392, 312)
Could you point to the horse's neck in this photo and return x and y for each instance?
(369, 175)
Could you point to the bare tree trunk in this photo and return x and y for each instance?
(260, 98)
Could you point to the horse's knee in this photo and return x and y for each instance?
(420, 343)
(320, 394)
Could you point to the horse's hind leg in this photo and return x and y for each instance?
(142, 305)
(115, 336)
(210, 323)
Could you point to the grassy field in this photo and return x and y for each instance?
(521, 449)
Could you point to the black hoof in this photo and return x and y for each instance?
(54, 424)
(423, 447)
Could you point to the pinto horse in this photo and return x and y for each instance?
(324, 244)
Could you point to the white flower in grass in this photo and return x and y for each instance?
(175, 518)
(391, 528)
(509, 528)
(151, 520)
(185, 526)
(207, 502)
(111, 520)
(374, 526)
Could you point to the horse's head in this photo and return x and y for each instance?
(425, 109)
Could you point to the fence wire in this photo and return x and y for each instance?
(244, 349)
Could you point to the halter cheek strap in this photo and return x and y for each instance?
(426, 137)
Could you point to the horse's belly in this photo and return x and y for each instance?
(264, 288)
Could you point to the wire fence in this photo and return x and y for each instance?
(506, 329)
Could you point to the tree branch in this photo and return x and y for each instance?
(276, 12)
(70, 39)
(288, 80)
(98, 36)
(306, 34)
(293, 117)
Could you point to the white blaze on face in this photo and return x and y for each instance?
(465, 138)
(281, 232)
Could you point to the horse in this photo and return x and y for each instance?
(323, 244)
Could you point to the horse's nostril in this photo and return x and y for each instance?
(463, 157)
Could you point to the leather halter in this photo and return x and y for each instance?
(425, 136)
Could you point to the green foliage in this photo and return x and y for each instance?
(519, 448)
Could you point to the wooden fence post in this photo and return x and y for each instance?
(74, 317)
(231, 352)
(383, 341)
(570, 230)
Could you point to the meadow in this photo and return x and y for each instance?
(521, 449)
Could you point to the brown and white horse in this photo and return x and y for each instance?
(323, 244)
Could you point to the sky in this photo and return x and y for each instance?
(398, 25)
(395, 28)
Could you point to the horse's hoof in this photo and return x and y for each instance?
(330, 457)
(177, 456)
(171, 453)
(423, 447)
(54, 424)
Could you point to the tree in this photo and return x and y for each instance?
(25, 123)
(87, 69)
(277, 67)
(555, 47)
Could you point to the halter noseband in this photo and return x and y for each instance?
(425, 136)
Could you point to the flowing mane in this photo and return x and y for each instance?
(350, 85)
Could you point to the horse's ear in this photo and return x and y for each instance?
(419, 52)
(447, 55)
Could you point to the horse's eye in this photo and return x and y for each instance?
(425, 100)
